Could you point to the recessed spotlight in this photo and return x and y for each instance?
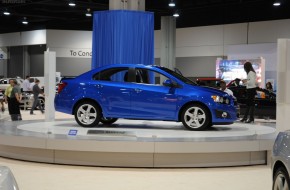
(277, 4)
(24, 21)
(6, 13)
(176, 14)
(88, 13)
(72, 4)
(171, 3)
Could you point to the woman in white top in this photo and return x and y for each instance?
(250, 82)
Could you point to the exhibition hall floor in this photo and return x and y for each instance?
(35, 176)
(31, 175)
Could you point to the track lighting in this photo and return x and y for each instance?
(171, 3)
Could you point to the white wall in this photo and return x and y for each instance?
(23, 38)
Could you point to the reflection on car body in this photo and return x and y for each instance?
(133, 92)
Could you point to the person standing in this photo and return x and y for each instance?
(26, 84)
(7, 95)
(250, 83)
(14, 101)
(269, 86)
(36, 91)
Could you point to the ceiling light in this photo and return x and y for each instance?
(171, 3)
(24, 21)
(176, 14)
(72, 4)
(277, 3)
(88, 13)
(6, 13)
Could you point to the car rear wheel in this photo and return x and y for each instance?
(87, 114)
(108, 120)
(281, 179)
(195, 117)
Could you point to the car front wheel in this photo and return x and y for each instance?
(195, 117)
(87, 114)
(281, 179)
(108, 120)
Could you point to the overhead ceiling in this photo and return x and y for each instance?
(56, 14)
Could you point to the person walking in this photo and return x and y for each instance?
(14, 100)
(36, 91)
(2, 100)
(250, 83)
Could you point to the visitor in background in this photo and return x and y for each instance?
(224, 88)
(36, 91)
(14, 101)
(26, 84)
(250, 83)
(2, 100)
(269, 86)
(7, 95)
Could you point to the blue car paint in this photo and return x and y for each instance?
(140, 101)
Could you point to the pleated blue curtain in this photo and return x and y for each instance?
(122, 36)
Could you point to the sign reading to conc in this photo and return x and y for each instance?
(72, 53)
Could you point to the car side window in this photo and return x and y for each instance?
(147, 76)
(113, 74)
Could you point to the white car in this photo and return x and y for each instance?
(7, 180)
(4, 83)
(281, 161)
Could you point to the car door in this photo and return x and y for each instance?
(114, 92)
(150, 99)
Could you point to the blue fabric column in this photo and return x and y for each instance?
(122, 36)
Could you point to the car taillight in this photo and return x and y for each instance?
(61, 86)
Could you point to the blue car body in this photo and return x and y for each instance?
(142, 100)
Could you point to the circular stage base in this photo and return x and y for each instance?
(138, 143)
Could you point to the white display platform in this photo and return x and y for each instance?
(135, 143)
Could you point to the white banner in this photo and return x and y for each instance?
(72, 53)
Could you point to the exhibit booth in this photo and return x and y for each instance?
(138, 143)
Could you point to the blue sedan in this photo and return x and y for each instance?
(144, 92)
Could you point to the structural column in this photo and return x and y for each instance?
(283, 87)
(138, 5)
(49, 76)
(168, 42)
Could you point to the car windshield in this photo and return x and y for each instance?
(178, 76)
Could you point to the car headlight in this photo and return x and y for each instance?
(220, 99)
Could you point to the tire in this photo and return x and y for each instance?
(281, 179)
(196, 117)
(108, 120)
(87, 114)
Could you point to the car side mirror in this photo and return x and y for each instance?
(168, 83)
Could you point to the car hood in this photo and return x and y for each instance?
(209, 90)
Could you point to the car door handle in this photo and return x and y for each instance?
(138, 90)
